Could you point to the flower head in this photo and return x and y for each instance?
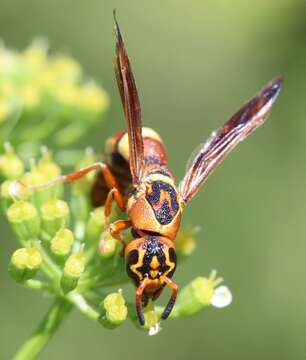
(52, 88)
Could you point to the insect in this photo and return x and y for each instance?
(135, 176)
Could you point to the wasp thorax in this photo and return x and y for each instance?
(155, 208)
(150, 257)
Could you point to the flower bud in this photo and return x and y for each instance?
(24, 219)
(36, 177)
(47, 166)
(54, 215)
(62, 242)
(152, 322)
(73, 269)
(16, 190)
(6, 199)
(66, 69)
(199, 293)
(107, 245)
(30, 96)
(35, 55)
(95, 225)
(24, 263)
(11, 166)
(92, 98)
(12, 189)
(113, 310)
(50, 170)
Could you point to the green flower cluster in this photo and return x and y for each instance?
(66, 250)
(45, 96)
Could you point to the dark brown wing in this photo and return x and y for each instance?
(243, 123)
(131, 106)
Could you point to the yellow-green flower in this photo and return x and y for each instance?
(35, 55)
(55, 215)
(30, 96)
(24, 219)
(73, 270)
(66, 69)
(24, 263)
(62, 242)
(11, 166)
(113, 310)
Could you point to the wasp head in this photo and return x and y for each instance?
(152, 257)
(151, 263)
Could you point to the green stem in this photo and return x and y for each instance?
(52, 269)
(82, 305)
(37, 342)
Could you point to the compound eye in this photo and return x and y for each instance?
(132, 257)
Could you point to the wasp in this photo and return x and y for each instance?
(136, 177)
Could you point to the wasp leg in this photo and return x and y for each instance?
(72, 177)
(114, 194)
(145, 300)
(172, 300)
(116, 228)
(138, 301)
(76, 175)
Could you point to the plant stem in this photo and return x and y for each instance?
(50, 268)
(81, 304)
(37, 342)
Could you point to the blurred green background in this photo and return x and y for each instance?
(195, 63)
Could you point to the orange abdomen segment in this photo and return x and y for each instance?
(154, 152)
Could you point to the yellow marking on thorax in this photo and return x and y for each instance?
(123, 145)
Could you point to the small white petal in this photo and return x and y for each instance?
(154, 330)
(222, 297)
(14, 189)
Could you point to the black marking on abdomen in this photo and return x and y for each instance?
(163, 199)
(152, 160)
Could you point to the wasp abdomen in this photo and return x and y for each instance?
(154, 152)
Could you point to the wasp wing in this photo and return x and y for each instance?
(131, 106)
(252, 115)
